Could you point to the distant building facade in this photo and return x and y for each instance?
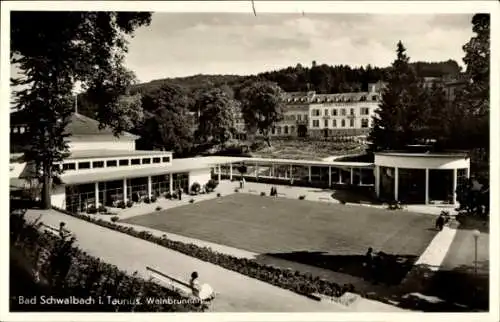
(327, 115)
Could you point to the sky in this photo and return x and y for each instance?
(183, 44)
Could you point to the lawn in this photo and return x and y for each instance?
(325, 235)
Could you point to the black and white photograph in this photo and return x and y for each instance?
(235, 157)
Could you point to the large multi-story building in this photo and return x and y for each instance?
(326, 115)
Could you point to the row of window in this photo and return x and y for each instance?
(67, 166)
(364, 123)
(286, 130)
(293, 117)
(343, 112)
(331, 99)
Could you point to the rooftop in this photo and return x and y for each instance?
(79, 125)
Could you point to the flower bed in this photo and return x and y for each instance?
(304, 284)
(67, 272)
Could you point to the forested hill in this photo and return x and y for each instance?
(320, 78)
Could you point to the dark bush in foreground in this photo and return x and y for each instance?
(263, 194)
(158, 208)
(63, 270)
(115, 218)
(130, 203)
(298, 282)
(302, 197)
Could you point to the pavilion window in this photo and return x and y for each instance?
(124, 162)
(135, 161)
(69, 166)
(166, 159)
(146, 161)
(84, 165)
(98, 164)
(156, 160)
(111, 163)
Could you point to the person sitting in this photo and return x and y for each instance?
(194, 284)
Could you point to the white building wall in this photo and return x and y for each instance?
(58, 197)
(421, 161)
(111, 144)
(202, 176)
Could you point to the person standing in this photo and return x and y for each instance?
(179, 193)
(440, 222)
(368, 264)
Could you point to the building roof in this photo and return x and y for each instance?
(227, 160)
(309, 98)
(178, 165)
(79, 125)
(450, 154)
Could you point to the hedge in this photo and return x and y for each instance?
(296, 281)
(66, 271)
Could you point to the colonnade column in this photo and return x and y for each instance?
(377, 181)
(454, 186)
(291, 173)
(171, 182)
(352, 176)
(149, 187)
(231, 171)
(218, 172)
(426, 186)
(272, 170)
(396, 183)
(340, 175)
(256, 171)
(125, 190)
(310, 174)
(329, 176)
(360, 176)
(97, 195)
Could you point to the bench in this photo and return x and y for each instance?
(56, 231)
(206, 292)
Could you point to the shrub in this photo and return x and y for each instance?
(211, 185)
(158, 208)
(219, 195)
(130, 203)
(102, 209)
(302, 197)
(195, 188)
(122, 205)
(92, 210)
(236, 190)
(168, 195)
(115, 218)
(153, 198)
(263, 194)
(147, 200)
(191, 201)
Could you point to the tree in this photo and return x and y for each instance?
(400, 118)
(471, 106)
(53, 51)
(242, 169)
(438, 122)
(167, 123)
(217, 115)
(262, 107)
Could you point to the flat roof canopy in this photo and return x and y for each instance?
(228, 160)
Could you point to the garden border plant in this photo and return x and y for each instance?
(66, 271)
(296, 281)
